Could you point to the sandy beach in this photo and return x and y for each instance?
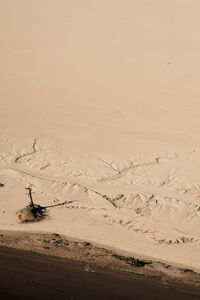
(99, 114)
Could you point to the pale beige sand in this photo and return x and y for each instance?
(100, 104)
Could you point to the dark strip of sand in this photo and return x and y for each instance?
(27, 275)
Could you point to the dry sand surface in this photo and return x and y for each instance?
(99, 112)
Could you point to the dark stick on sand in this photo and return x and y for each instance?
(30, 195)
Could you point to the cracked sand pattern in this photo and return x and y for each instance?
(155, 195)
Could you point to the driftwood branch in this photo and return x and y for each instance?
(30, 195)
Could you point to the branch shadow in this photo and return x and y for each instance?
(41, 208)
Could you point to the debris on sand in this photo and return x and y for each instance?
(32, 212)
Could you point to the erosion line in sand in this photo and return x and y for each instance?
(121, 173)
(65, 183)
(28, 174)
(86, 189)
(30, 153)
(108, 164)
(104, 196)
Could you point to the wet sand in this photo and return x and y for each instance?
(26, 275)
(94, 255)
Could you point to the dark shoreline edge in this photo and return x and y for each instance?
(58, 246)
(24, 273)
(87, 263)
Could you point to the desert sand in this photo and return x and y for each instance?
(99, 112)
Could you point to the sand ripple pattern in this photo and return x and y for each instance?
(157, 195)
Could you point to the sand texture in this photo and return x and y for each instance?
(100, 104)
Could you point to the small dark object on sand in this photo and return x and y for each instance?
(32, 212)
(132, 261)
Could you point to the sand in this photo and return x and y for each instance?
(99, 113)
(30, 275)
